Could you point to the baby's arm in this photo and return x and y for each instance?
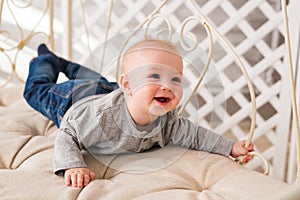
(68, 160)
(78, 177)
(185, 133)
(239, 149)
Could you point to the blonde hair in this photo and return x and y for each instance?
(150, 44)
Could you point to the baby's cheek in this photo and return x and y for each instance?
(178, 95)
(174, 104)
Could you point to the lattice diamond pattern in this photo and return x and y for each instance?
(222, 102)
(246, 29)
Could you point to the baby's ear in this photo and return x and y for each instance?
(124, 84)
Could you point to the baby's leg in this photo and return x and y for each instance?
(70, 69)
(53, 100)
(79, 73)
(76, 71)
(43, 74)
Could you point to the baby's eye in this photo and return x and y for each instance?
(176, 79)
(155, 76)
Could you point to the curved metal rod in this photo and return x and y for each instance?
(292, 83)
(250, 86)
(253, 153)
(20, 46)
(1, 9)
(24, 40)
(107, 28)
(21, 6)
(240, 64)
(184, 23)
(210, 50)
(136, 29)
(167, 22)
(267, 166)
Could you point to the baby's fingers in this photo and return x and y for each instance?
(86, 180)
(80, 180)
(67, 179)
(92, 175)
(247, 158)
(250, 147)
(74, 179)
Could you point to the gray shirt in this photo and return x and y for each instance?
(102, 124)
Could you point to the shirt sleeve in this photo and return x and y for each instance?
(185, 133)
(67, 152)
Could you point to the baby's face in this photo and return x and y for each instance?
(155, 80)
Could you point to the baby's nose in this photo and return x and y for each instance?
(165, 87)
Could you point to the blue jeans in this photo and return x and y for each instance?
(54, 99)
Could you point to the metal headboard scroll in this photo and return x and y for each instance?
(10, 49)
(205, 22)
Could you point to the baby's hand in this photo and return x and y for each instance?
(239, 149)
(78, 177)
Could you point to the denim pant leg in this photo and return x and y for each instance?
(43, 74)
(52, 99)
(87, 82)
(77, 71)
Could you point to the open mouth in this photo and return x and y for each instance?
(162, 99)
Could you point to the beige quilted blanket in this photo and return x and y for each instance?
(26, 146)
